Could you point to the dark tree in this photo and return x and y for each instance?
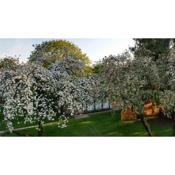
(9, 63)
(155, 48)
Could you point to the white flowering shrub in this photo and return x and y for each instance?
(28, 94)
(95, 90)
(37, 94)
(70, 86)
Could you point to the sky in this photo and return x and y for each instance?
(96, 49)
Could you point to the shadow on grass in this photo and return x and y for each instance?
(103, 124)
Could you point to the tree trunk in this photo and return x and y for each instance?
(61, 110)
(102, 104)
(40, 129)
(86, 107)
(109, 105)
(173, 118)
(146, 125)
(94, 105)
(161, 115)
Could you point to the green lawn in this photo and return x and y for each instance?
(104, 124)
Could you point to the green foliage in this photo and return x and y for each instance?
(154, 48)
(9, 63)
(97, 68)
(49, 51)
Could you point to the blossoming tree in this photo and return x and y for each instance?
(28, 94)
(70, 86)
(132, 81)
(37, 94)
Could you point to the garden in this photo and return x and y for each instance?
(58, 92)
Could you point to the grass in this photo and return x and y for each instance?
(104, 124)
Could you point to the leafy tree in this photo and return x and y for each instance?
(9, 63)
(154, 48)
(48, 52)
(98, 67)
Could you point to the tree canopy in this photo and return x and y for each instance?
(48, 52)
(154, 48)
(132, 82)
(9, 63)
(36, 94)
